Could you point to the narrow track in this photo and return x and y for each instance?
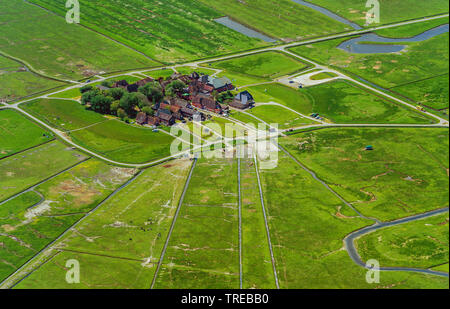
(186, 186)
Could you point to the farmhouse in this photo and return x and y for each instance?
(141, 118)
(243, 100)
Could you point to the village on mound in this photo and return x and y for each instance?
(165, 101)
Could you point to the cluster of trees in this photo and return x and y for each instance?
(124, 104)
(225, 97)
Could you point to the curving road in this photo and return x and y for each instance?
(349, 242)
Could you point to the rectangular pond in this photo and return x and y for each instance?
(227, 22)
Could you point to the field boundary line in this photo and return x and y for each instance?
(44, 181)
(326, 185)
(180, 203)
(266, 223)
(99, 255)
(240, 217)
(129, 181)
(29, 148)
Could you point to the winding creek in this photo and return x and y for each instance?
(349, 242)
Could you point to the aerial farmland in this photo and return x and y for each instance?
(224, 145)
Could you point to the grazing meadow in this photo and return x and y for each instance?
(405, 174)
(18, 133)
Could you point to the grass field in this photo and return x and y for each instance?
(282, 19)
(29, 167)
(57, 204)
(53, 47)
(112, 138)
(420, 60)
(257, 271)
(273, 114)
(432, 92)
(203, 249)
(339, 102)
(405, 174)
(420, 244)
(411, 30)
(391, 11)
(17, 83)
(75, 92)
(17, 133)
(175, 30)
(124, 143)
(267, 65)
(307, 225)
(126, 234)
(63, 114)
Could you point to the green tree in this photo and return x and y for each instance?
(86, 88)
(87, 96)
(153, 91)
(101, 104)
(174, 87)
(116, 93)
(128, 103)
(121, 113)
(114, 107)
(148, 110)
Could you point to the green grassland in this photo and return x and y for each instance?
(266, 65)
(405, 174)
(170, 31)
(420, 60)
(188, 70)
(339, 102)
(17, 83)
(432, 92)
(391, 11)
(323, 75)
(282, 19)
(17, 133)
(126, 234)
(62, 114)
(122, 142)
(443, 267)
(419, 244)
(53, 47)
(25, 169)
(307, 224)
(273, 114)
(411, 30)
(257, 271)
(112, 138)
(56, 205)
(203, 249)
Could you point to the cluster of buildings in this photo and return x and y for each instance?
(199, 94)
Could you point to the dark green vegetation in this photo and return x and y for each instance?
(421, 244)
(203, 249)
(109, 137)
(405, 174)
(391, 11)
(282, 19)
(26, 169)
(71, 52)
(119, 245)
(17, 82)
(339, 102)
(32, 220)
(17, 133)
(173, 30)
